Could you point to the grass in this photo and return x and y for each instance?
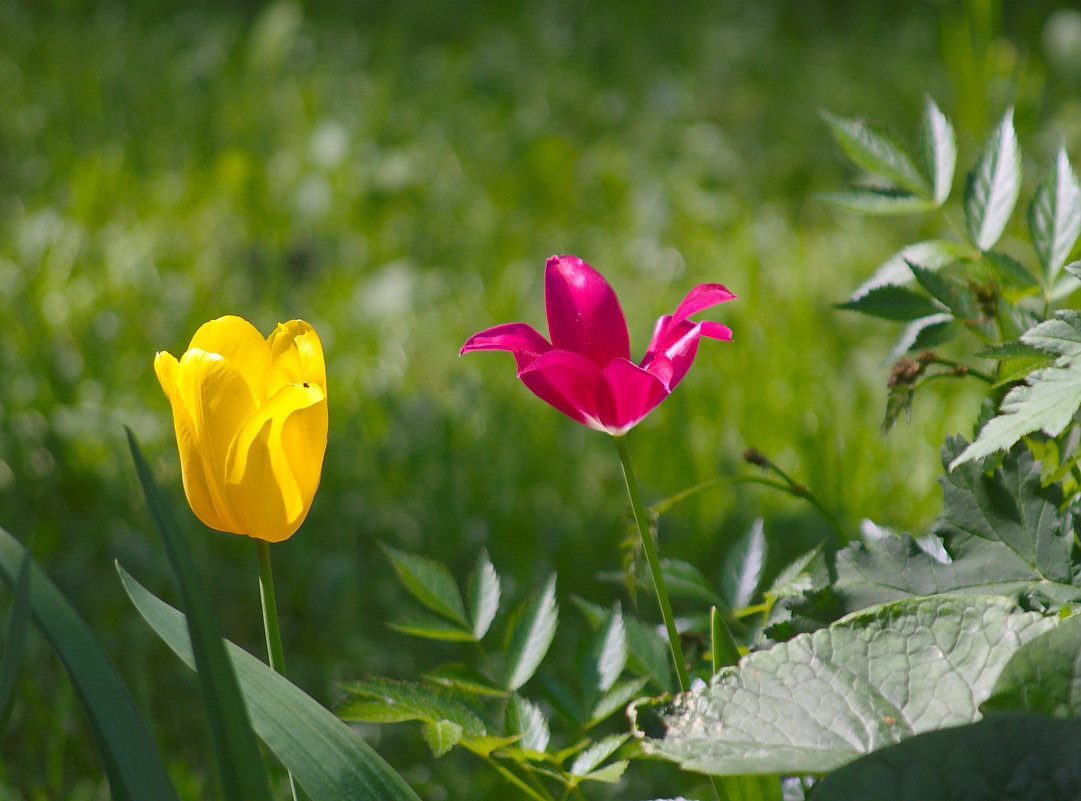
(398, 179)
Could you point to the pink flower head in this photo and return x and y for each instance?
(585, 371)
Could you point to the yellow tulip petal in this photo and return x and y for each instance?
(296, 356)
(276, 460)
(219, 401)
(241, 344)
(196, 487)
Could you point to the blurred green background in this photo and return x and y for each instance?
(397, 175)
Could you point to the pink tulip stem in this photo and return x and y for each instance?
(654, 562)
(275, 653)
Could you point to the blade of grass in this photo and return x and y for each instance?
(15, 645)
(131, 758)
(328, 759)
(240, 765)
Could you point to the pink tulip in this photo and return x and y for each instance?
(585, 371)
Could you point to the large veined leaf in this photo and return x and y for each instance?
(328, 760)
(1054, 216)
(1049, 397)
(877, 152)
(1007, 756)
(939, 148)
(132, 763)
(1000, 532)
(993, 184)
(240, 765)
(1043, 675)
(824, 699)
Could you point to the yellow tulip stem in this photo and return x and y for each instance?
(654, 562)
(275, 653)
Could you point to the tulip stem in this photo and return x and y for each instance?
(654, 562)
(275, 653)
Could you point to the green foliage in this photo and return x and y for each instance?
(821, 700)
(992, 186)
(15, 642)
(1043, 676)
(327, 759)
(129, 752)
(1027, 756)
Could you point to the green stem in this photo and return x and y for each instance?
(654, 562)
(275, 653)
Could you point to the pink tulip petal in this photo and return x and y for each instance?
(584, 315)
(567, 381)
(716, 331)
(627, 394)
(701, 297)
(524, 341)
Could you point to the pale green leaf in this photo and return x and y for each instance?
(931, 254)
(127, 749)
(441, 735)
(392, 700)
(465, 678)
(1044, 675)
(430, 583)
(621, 694)
(589, 759)
(526, 720)
(992, 187)
(1054, 216)
(1049, 397)
(939, 148)
(744, 565)
(327, 758)
(876, 200)
(483, 594)
(821, 700)
(610, 651)
(432, 628)
(530, 634)
(609, 774)
(878, 153)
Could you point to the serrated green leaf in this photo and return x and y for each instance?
(876, 200)
(15, 642)
(609, 774)
(938, 145)
(329, 761)
(608, 655)
(788, 580)
(483, 594)
(127, 749)
(525, 720)
(992, 187)
(893, 303)
(1020, 757)
(684, 580)
(487, 744)
(877, 152)
(621, 694)
(956, 297)
(593, 756)
(648, 653)
(744, 565)
(463, 677)
(821, 700)
(925, 334)
(1008, 269)
(1049, 397)
(1054, 216)
(391, 699)
(432, 628)
(441, 736)
(1011, 350)
(530, 634)
(430, 583)
(1043, 676)
(241, 771)
(932, 254)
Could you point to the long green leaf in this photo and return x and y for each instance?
(893, 303)
(15, 644)
(132, 763)
(875, 200)
(992, 187)
(1054, 216)
(878, 153)
(483, 594)
(530, 634)
(939, 147)
(325, 756)
(240, 765)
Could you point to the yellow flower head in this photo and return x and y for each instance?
(251, 424)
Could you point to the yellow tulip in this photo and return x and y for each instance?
(251, 424)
